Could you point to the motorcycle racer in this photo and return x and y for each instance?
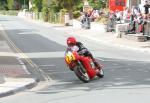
(75, 45)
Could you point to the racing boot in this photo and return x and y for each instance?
(98, 66)
(99, 70)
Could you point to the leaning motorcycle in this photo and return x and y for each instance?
(82, 66)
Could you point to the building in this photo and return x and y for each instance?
(131, 3)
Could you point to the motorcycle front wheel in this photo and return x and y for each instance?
(82, 74)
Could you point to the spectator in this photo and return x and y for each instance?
(139, 23)
(132, 27)
(85, 21)
(146, 7)
(145, 18)
(95, 15)
(118, 15)
(89, 12)
(126, 15)
(84, 16)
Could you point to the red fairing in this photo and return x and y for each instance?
(86, 62)
(77, 56)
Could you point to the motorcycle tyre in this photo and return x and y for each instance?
(79, 73)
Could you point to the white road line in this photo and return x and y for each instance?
(43, 55)
(7, 54)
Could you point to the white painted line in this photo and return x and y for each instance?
(42, 55)
(25, 69)
(7, 54)
(100, 59)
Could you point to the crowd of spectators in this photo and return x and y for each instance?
(90, 16)
(93, 14)
(137, 17)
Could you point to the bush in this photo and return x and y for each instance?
(63, 11)
(102, 19)
(45, 13)
(76, 14)
(10, 12)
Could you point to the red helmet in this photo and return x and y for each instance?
(71, 41)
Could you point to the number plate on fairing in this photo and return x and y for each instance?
(69, 57)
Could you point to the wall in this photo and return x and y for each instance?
(94, 26)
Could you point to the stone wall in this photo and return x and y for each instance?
(134, 37)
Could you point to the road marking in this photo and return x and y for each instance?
(43, 55)
(7, 54)
(51, 65)
(15, 47)
(22, 55)
(54, 72)
(100, 59)
(27, 33)
(60, 54)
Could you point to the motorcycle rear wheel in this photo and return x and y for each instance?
(81, 74)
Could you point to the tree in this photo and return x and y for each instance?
(69, 5)
(55, 7)
(3, 5)
(37, 5)
(10, 4)
(24, 3)
(17, 4)
(97, 4)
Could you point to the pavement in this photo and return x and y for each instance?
(99, 35)
(14, 76)
(109, 38)
(13, 73)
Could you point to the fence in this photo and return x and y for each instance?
(50, 17)
(10, 12)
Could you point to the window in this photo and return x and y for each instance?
(120, 3)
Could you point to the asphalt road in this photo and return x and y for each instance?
(126, 71)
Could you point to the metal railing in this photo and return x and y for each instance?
(10, 12)
(50, 17)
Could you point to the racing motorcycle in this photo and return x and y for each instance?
(82, 66)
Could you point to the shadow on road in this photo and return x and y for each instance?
(119, 74)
